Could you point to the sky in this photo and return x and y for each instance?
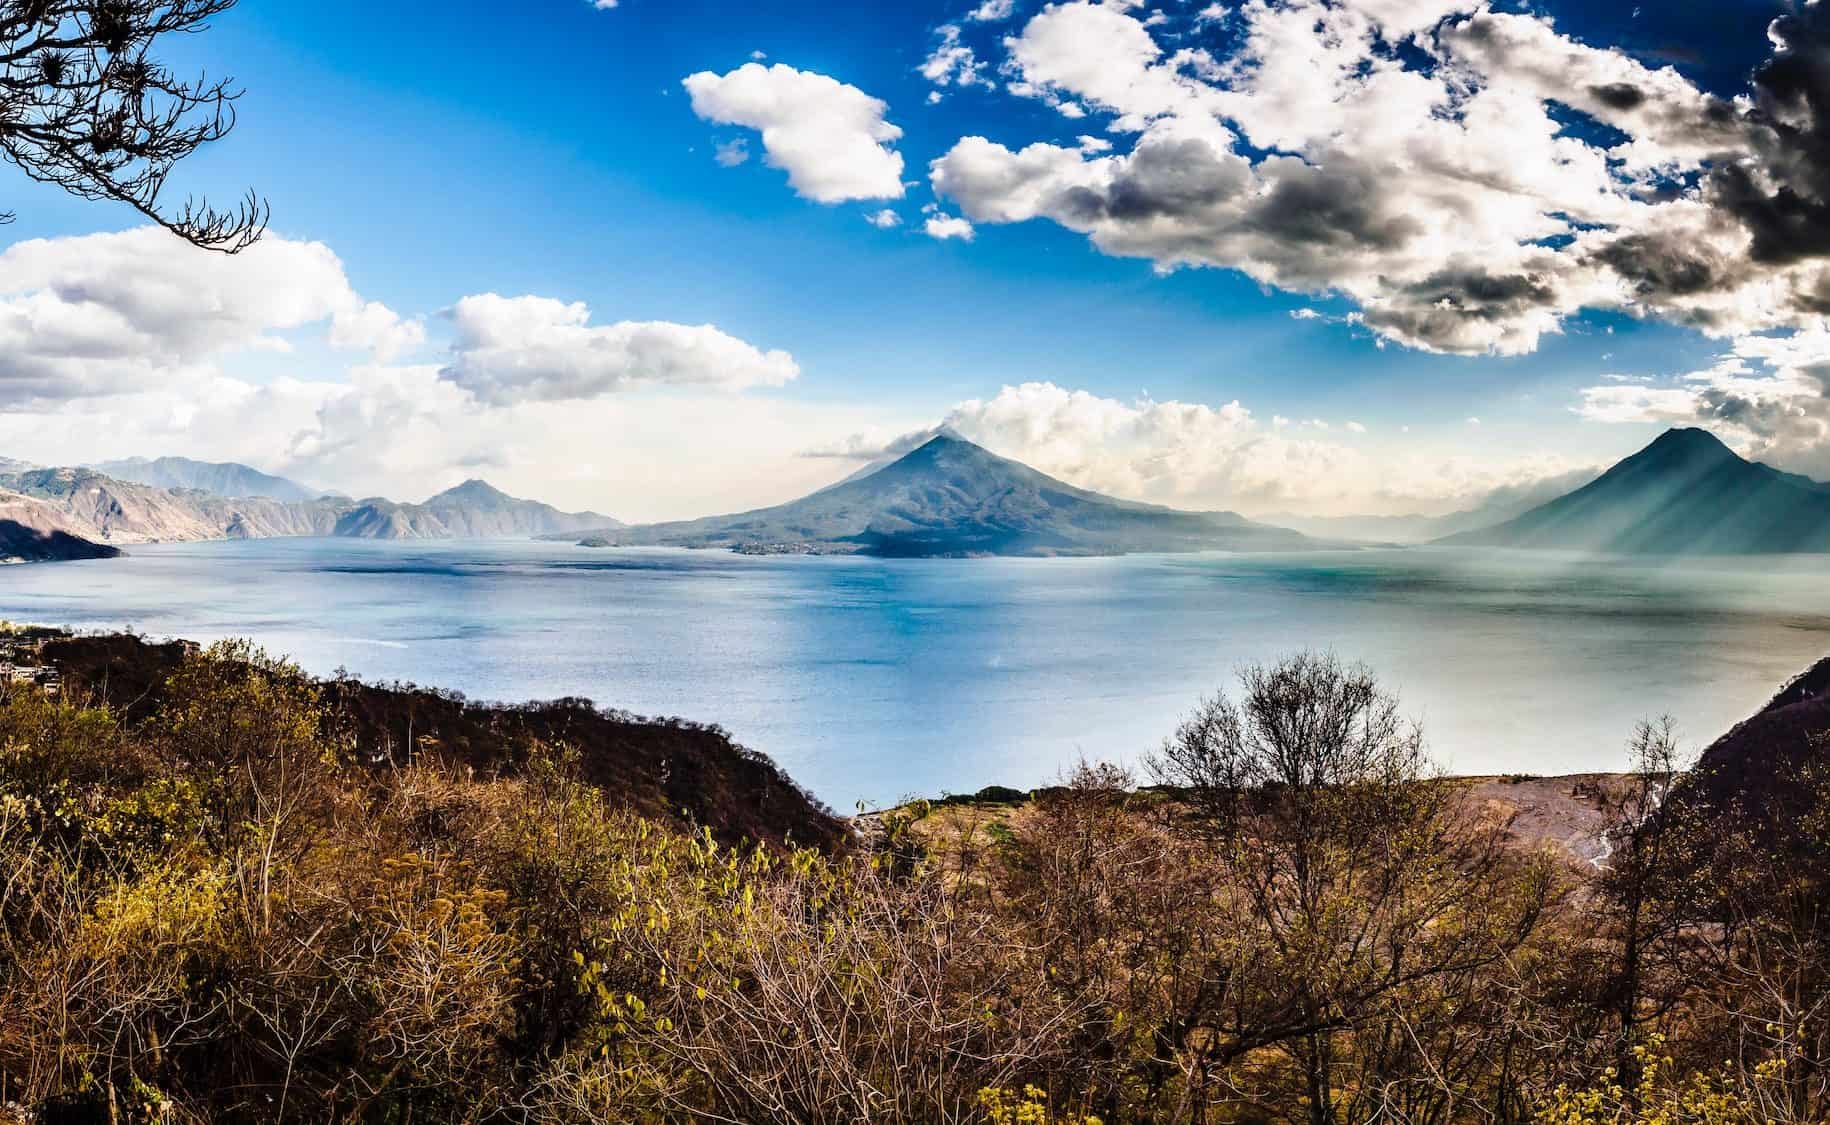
(664, 258)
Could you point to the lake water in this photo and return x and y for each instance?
(872, 680)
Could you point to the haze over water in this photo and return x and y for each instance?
(871, 680)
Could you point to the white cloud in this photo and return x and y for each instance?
(993, 11)
(831, 138)
(952, 62)
(945, 227)
(886, 219)
(517, 349)
(732, 153)
(1439, 188)
(100, 313)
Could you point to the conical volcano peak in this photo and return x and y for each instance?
(1689, 444)
(474, 489)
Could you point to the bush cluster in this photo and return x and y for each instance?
(216, 913)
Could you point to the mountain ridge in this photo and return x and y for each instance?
(107, 511)
(228, 479)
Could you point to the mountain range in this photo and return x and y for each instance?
(951, 498)
(1685, 494)
(56, 514)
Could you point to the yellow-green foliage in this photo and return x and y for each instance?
(1665, 1096)
(1026, 1107)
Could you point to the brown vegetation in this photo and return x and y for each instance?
(218, 906)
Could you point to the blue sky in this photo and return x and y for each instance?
(554, 152)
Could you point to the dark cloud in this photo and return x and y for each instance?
(1619, 95)
(1781, 193)
(1450, 307)
(1481, 294)
(1659, 266)
(1334, 207)
(1173, 177)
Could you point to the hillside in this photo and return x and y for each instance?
(669, 769)
(218, 478)
(1685, 494)
(1760, 764)
(951, 498)
(33, 531)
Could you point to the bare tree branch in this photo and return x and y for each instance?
(85, 106)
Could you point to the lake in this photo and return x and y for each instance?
(871, 680)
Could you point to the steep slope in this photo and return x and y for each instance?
(950, 497)
(217, 478)
(1685, 494)
(1759, 774)
(34, 531)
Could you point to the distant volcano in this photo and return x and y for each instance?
(1685, 494)
(952, 498)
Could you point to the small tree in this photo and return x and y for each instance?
(85, 106)
(1360, 884)
(1638, 880)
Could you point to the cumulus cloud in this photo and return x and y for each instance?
(101, 313)
(945, 227)
(993, 11)
(1417, 157)
(514, 349)
(831, 138)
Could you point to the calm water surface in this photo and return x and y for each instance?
(871, 680)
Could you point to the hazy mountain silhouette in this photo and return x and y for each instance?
(220, 478)
(1685, 494)
(472, 510)
(950, 497)
(1503, 503)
